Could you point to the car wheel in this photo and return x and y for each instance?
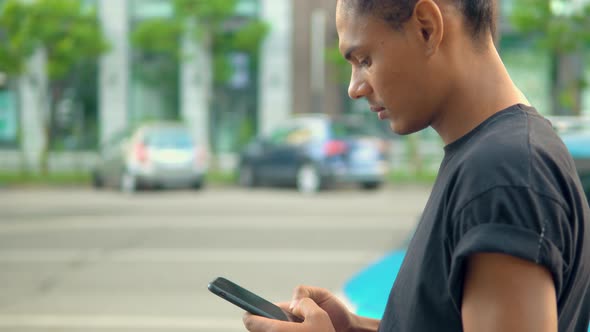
(129, 183)
(308, 179)
(97, 181)
(198, 185)
(372, 185)
(246, 177)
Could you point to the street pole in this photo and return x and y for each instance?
(318, 59)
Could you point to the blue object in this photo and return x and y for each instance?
(578, 144)
(369, 289)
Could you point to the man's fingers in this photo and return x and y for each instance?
(311, 312)
(284, 305)
(254, 323)
(315, 293)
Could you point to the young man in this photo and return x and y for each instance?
(504, 241)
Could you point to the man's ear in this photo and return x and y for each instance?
(429, 23)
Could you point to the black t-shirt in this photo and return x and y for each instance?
(508, 186)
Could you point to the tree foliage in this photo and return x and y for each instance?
(558, 26)
(16, 44)
(70, 36)
(342, 69)
(206, 22)
(68, 31)
(561, 28)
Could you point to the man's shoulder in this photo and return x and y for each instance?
(503, 143)
(517, 149)
(515, 136)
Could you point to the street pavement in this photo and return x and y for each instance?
(85, 260)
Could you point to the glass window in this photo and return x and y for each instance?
(8, 117)
(75, 117)
(144, 9)
(586, 92)
(299, 135)
(234, 101)
(279, 135)
(529, 68)
(154, 79)
(169, 138)
(346, 129)
(506, 7)
(247, 8)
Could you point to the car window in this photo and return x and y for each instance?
(115, 141)
(343, 130)
(295, 134)
(279, 135)
(300, 135)
(565, 125)
(169, 138)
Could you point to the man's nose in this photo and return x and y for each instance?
(358, 88)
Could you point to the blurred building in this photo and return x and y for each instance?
(290, 75)
(218, 113)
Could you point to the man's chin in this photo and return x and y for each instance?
(401, 129)
(397, 128)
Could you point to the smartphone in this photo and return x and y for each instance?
(249, 301)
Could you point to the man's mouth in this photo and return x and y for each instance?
(377, 109)
(381, 112)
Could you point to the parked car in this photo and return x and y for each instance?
(163, 154)
(313, 152)
(578, 143)
(367, 291)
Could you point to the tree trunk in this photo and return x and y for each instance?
(497, 33)
(566, 83)
(13, 86)
(414, 155)
(56, 93)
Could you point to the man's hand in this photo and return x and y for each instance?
(321, 311)
(315, 320)
(502, 293)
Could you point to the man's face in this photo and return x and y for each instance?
(389, 68)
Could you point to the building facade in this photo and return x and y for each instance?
(289, 75)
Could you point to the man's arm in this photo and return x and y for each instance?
(502, 293)
(364, 324)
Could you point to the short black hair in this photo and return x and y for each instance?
(480, 15)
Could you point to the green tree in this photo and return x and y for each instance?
(561, 28)
(16, 44)
(69, 35)
(205, 22)
(217, 32)
(341, 68)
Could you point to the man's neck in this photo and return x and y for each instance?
(482, 88)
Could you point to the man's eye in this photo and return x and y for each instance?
(365, 62)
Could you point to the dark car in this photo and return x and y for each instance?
(578, 144)
(575, 133)
(314, 152)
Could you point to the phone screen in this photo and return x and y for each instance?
(248, 300)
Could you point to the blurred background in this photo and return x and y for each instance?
(241, 107)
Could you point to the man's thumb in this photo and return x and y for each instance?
(310, 311)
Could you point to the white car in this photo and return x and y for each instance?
(157, 155)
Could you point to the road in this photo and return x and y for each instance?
(84, 260)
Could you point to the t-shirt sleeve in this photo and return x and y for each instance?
(513, 221)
